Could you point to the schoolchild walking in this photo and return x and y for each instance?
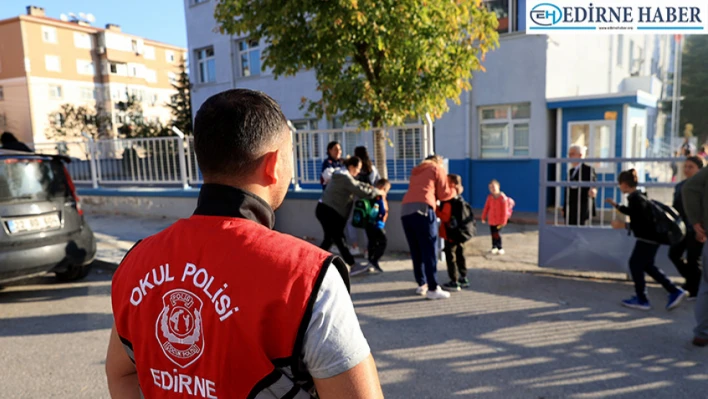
(496, 214)
(642, 224)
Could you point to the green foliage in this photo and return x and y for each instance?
(694, 85)
(181, 102)
(70, 121)
(377, 62)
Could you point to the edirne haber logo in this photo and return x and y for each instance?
(617, 16)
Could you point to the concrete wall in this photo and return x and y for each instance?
(296, 216)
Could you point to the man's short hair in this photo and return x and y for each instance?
(234, 129)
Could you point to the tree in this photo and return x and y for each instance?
(181, 103)
(70, 121)
(694, 85)
(377, 62)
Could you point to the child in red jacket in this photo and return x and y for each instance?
(496, 213)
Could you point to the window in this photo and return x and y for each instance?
(117, 68)
(84, 67)
(504, 131)
(58, 120)
(195, 2)
(87, 93)
(310, 142)
(49, 35)
(250, 55)
(597, 137)
(2, 93)
(136, 70)
(153, 99)
(82, 40)
(207, 65)
(52, 63)
(149, 52)
(169, 56)
(151, 75)
(408, 143)
(504, 9)
(55, 92)
(172, 77)
(620, 49)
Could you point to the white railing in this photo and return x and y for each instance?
(657, 176)
(406, 147)
(172, 161)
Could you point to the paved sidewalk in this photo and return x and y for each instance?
(512, 335)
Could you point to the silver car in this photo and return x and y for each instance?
(42, 227)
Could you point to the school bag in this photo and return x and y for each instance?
(510, 203)
(668, 223)
(462, 226)
(362, 213)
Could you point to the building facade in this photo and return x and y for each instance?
(47, 62)
(523, 108)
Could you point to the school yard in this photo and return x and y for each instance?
(518, 332)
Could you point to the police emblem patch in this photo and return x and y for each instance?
(179, 327)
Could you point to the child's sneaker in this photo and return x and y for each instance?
(437, 294)
(636, 303)
(464, 282)
(375, 268)
(355, 251)
(358, 269)
(451, 286)
(501, 252)
(494, 251)
(422, 290)
(675, 299)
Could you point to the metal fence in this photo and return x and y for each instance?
(172, 161)
(577, 233)
(406, 147)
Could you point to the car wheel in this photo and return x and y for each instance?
(73, 273)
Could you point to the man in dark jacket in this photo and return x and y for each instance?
(579, 201)
(10, 142)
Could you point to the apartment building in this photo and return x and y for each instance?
(47, 62)
(539, 95)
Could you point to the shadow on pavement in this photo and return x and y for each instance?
(523, 336)
(55, 324)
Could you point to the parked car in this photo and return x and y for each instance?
(42, 226)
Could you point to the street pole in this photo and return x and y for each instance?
(674, 94)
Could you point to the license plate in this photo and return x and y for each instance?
(28, 224)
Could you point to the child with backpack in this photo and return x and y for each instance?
(644, 227)
(456, 229)
(371, 215)
(497, 210)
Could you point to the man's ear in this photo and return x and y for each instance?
(270, 163)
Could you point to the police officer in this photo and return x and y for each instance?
(221, 306)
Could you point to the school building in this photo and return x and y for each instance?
(539, 95)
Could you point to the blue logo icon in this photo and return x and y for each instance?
(546, 14)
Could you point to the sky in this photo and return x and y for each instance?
(160, 20)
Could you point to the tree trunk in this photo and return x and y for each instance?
(380, 151)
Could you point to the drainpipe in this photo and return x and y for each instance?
(609, 70)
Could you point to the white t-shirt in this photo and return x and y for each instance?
(333, 341)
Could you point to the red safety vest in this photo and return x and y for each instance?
(217, 307)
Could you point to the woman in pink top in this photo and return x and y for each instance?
(496, 213)
(428, 184)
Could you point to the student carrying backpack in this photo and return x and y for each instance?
(458, 226)
(649, 224)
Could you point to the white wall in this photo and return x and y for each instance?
(515, 73)
(16, 108)
(584, 65)
(200, 33)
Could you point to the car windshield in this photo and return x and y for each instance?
(30, 178)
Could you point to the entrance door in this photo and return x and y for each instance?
(598, 137)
